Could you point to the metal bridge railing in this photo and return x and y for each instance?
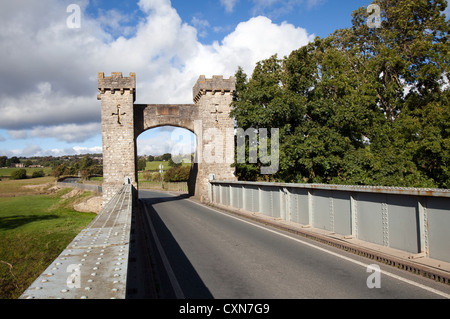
(413, 220)
(95, 263)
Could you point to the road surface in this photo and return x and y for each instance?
(203, 253)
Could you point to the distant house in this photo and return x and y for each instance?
(18, 165)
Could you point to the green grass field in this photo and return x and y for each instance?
(35, 226)
(154, 166)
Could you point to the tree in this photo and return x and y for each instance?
(177, 174)
(60, 170)
(142, 163)
(173, 164)
(3, 160)
(19, 174)
(362, 106)
(166, 157)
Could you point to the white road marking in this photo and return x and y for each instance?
(173, 279)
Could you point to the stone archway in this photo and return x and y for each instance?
(123, 121)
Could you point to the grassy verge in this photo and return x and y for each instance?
(34, 229)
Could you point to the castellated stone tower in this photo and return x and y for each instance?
(215, 137)
(117, 94)
(123, 121)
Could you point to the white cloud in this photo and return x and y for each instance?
(167, 140)
(201, 25)
(85, 150)
(36, 150)
(228, 4)
(70, 133)
(18, 134)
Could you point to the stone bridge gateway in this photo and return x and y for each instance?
(123, 121)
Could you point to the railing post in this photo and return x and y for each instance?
(423, 225)
(354, 214)
(310, 208)
(210, 188)
(284, 203)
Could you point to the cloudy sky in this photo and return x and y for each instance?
(50, 57)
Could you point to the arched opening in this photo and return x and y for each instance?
(165, 159)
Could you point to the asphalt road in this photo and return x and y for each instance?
(202, 253)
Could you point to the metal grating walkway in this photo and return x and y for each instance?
(94, 265)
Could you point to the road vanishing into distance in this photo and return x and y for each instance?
(204, 253)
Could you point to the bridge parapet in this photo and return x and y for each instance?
(94, 265)
(412, 220)
(116, 82)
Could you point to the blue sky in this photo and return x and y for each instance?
(48, 90)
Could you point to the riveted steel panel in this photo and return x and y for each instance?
(342, 213)
(225, 194)
(237, 196)
(251, 199)
(332, 211)
(323, 210)
(370, 217)
(438, 211)
(270, 201)
(266, 203)
(216, 193)
(403, 223)
(299, 206)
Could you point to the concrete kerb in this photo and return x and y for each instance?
(414, 263)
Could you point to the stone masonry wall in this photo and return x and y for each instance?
(215, 131)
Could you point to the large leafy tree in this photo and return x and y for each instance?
(362, 106)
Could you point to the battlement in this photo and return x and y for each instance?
(216, 84)
(116, 82)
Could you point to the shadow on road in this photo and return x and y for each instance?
(149, 269)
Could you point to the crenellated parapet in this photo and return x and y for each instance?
(116, 82)
(215, 85)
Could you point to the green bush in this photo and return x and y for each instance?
(177, 174)
(19, 174)
(39, 173)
